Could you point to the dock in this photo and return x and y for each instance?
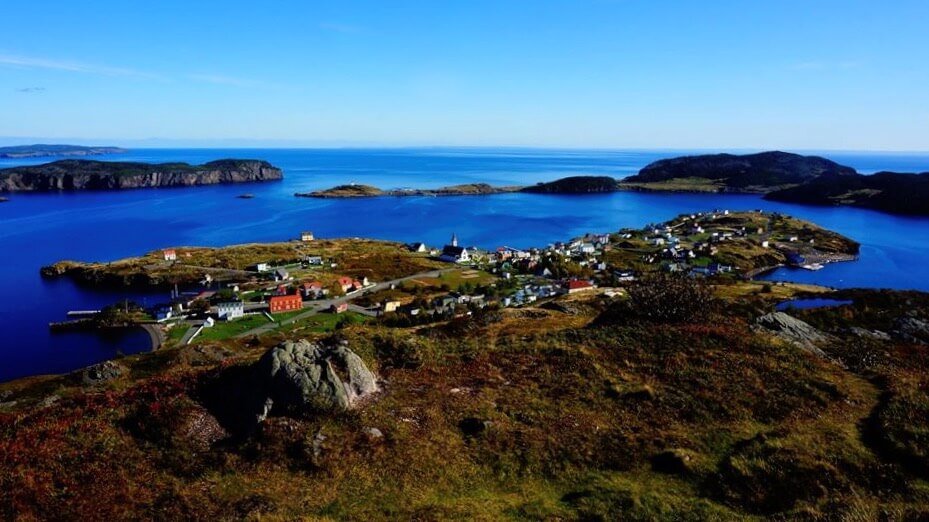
(83, 313)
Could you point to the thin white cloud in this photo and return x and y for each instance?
(33, 62)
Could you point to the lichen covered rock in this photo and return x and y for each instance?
(793, 330)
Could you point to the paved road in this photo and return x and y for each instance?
(189, 334)
(156, 334)
(314, 307)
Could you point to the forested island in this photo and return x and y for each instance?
(69, 175)
(45, 151)
(783, 176)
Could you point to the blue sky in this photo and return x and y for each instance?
(795, 74)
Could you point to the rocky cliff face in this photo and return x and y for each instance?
(100, 175)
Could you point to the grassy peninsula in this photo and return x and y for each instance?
(588, 380)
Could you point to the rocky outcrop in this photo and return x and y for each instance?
(304, 377)
(69, 175)
(912, 330)
(296, 378)
(101, 373)
(793, 330)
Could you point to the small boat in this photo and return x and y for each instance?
(813, 266)
(246, 196)
(3, 199)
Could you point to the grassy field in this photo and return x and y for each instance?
(679, 185)
(227, 329)
(455, 280)
(377, 260)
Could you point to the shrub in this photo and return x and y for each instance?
(663, 298)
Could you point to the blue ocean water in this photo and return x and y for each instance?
(39, 229)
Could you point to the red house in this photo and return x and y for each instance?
(285, 303)
(346, 283)
(574, 287)
(339, 308)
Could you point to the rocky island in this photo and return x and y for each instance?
(368, 191)
(570, 185)
(104, 175)
(44, 151)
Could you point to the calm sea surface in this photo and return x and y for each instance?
(39, 229)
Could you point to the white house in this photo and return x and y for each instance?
(169, 255)
(262, 267)
(229, 310)
(306, 236)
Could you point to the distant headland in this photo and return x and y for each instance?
(792, 178)
(45, 151)
(103, 175)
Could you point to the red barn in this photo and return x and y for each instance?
(285, 303)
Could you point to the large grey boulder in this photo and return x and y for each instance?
(912, 330)
(793, 330)
(302, 377)
(101, 372)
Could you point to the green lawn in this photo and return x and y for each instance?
(227, 329)
(323, 322)
(283, 316)
(176, 332)
(455, 279)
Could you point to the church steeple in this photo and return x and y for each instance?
(454, 239)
